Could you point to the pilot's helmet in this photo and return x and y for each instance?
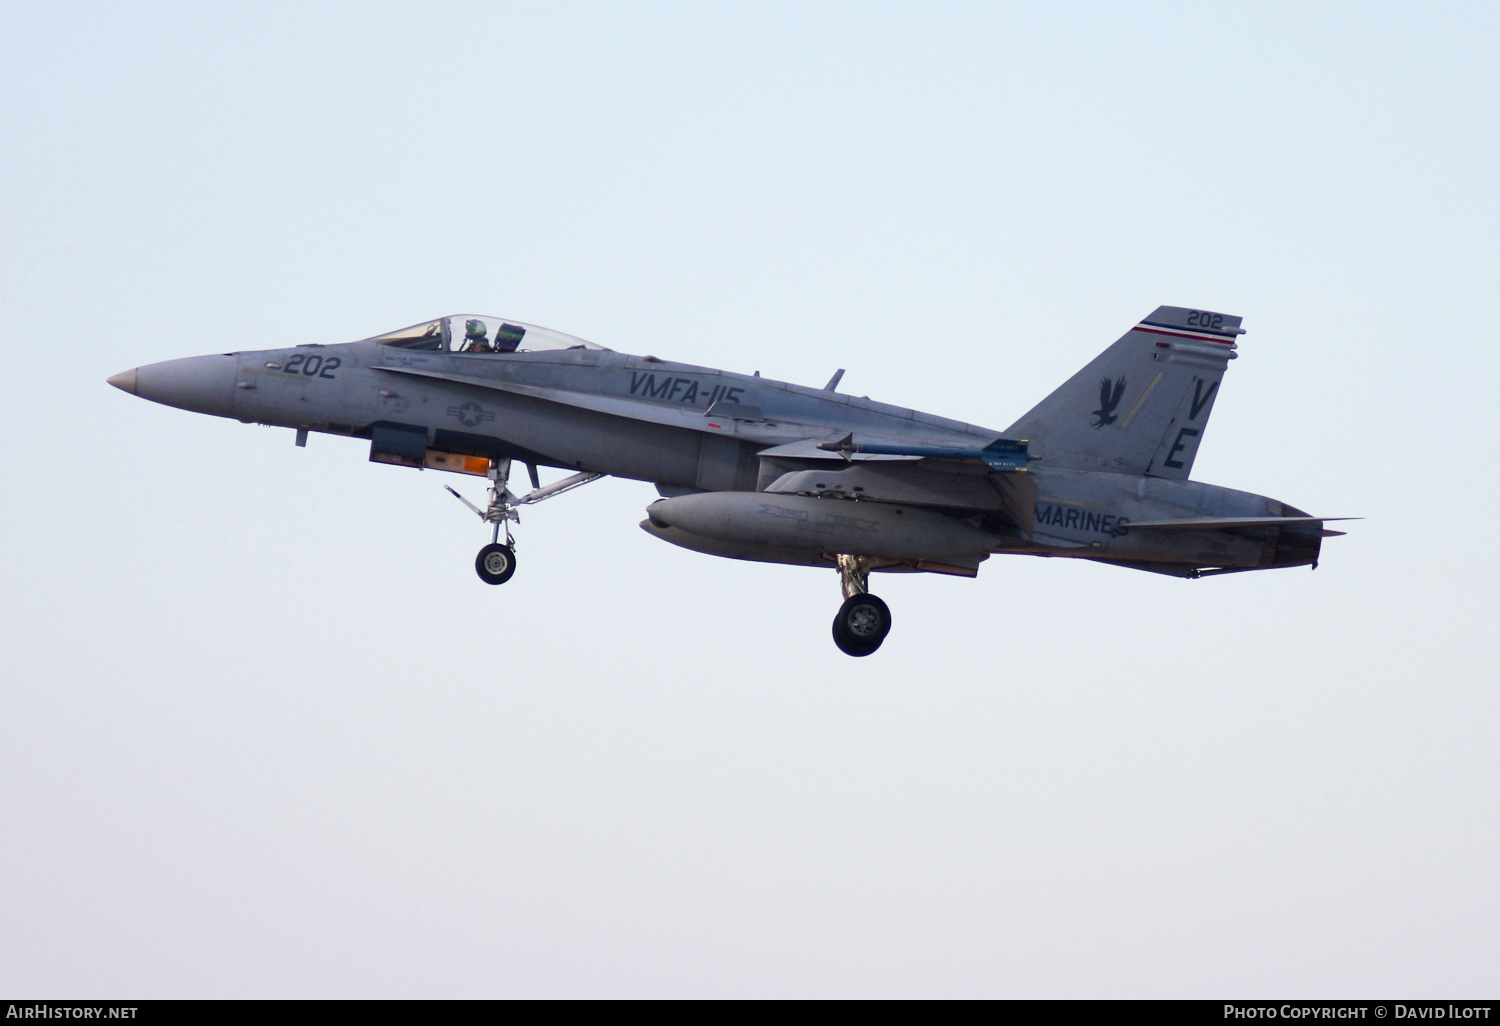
(475, 329)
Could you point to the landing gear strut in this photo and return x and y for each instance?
(496, 562)
(863, 620)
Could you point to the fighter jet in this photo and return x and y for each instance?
(756, 469)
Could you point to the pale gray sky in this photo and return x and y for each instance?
(265, 734)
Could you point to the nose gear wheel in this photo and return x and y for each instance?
(495, 563)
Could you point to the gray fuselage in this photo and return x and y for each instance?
(691, 429)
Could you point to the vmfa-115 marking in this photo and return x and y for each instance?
(765, 470)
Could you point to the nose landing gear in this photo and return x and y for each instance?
(496, 562)
(863, 620)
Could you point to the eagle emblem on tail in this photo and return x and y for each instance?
(1110, 393)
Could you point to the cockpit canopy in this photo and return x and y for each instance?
(480, 334)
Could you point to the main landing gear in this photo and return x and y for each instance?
(496, 562)
(863, 620)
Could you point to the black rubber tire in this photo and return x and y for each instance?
(862, 624)
(495, 563)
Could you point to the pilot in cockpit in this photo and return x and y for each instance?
(474, 337)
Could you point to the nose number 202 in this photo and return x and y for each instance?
(312, 366)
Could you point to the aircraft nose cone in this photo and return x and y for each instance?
(203, 384)
(124, 381)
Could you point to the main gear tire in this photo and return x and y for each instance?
(495, 563)
(862, 624)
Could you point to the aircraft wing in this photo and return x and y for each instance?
(811, 449)
(987, 479)
(790, 439)
(1215, 523)
(1003, 455)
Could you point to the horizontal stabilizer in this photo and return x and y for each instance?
(1214, 523)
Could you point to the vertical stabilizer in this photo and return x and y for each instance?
(1142, 405)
